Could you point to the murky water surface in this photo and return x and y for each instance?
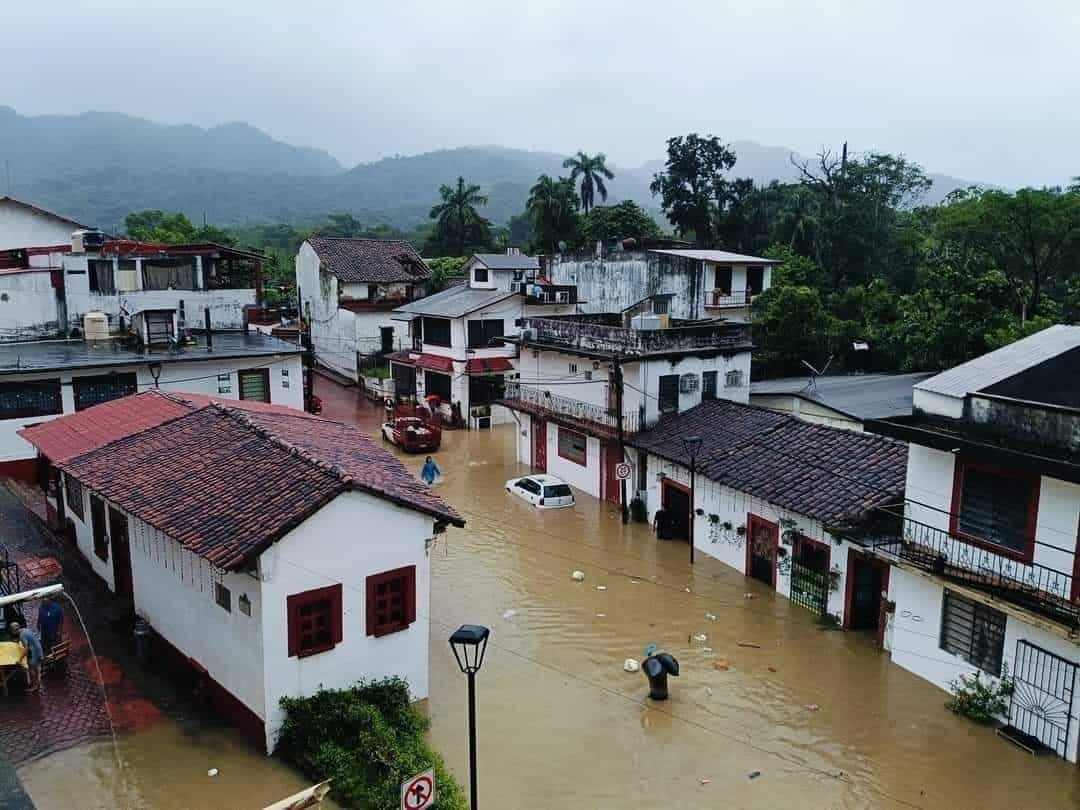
(562, 725)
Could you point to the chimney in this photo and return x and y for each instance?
(209, 332)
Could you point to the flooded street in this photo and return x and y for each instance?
(560, 724)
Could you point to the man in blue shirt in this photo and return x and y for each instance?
(32, 644)
(430, 471)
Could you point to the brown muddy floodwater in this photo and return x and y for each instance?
(560, 724)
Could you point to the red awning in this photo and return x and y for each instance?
(488, 365)
(435, 362)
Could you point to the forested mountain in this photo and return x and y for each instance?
(98, 166)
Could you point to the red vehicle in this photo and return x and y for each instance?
(413, 434)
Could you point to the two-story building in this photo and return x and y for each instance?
(702, 283)
(984, 551)
(41, 380)
(458, 353)
(586, 382)
(348, 289)
(233, 533)
(23, 224)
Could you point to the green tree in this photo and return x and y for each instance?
(791, 325)
(626, 220)
(457, 222)
(552, 207)
(692, 181)
(153, 225)
(592, 171)
(444, 268)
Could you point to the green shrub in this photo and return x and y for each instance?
(979, 700)
(367, 739)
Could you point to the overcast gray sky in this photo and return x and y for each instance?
(981, 89)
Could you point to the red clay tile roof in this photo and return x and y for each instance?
(227, 484)
(77, 433)
(488, 365)
(375, 261)
(826, 473)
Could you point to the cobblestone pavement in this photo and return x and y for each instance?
(74, 705)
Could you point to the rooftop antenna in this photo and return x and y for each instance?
(811, 384)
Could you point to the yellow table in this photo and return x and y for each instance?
(12, 656)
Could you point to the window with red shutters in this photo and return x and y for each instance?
(315, 624)
(391, 601)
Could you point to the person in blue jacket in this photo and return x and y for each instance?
(430, 471)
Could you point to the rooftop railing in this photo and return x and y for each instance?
(594, 336)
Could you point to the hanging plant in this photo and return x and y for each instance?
(699, 512)
(727, 526)
(714, 518)
(834, 579)
(740, 530)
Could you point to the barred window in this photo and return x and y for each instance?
(996, 506)
(30, 398)
(74, 492)
(733, 379)
(973, 632)
(91, 391)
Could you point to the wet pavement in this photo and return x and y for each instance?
(823, 717)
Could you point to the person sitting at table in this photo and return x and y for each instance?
(32, 644)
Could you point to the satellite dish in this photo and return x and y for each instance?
(811, 384)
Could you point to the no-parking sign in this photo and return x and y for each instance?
(418, 793)
(622, 471)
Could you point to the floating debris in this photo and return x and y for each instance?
(601, 587)
(212, 772)
(753, 644)
(630, 665)
(771, 669)
(748, 596)
(706, 650)
(721, 665)
(754, 774)
(601, 615)
(578, 576)
(700, 637)
(706, 781)
(711, 617)
(688, 590)
(811, 707)
(509, 614)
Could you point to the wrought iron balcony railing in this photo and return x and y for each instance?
(1037, 587)
(588, 414)
(722, 299)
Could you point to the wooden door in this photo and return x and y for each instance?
(762, 543)
(610, 459)
(121, 554)
(539, 432)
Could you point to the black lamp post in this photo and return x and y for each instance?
(469, 643)
(692, 445)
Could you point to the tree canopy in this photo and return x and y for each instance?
(459, 228)
(593, 171)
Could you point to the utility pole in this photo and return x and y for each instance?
(617, 381)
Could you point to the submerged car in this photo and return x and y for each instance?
(413, 434)
(542, 491)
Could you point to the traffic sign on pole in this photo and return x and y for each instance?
(418, 793)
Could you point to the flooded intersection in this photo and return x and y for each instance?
(823, 717)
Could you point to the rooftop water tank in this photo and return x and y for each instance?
(96, 326)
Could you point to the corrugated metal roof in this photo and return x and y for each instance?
(454, 302)
(501, 261)
(722, 256)
(977, 374)
(862, 396)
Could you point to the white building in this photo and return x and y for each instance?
(839, 400)
(567, 397)
(458, 353)
(985, 569)
(251, 571)
(703, 283)
(44, 379)
(770, 494)
(23, 224)
(348, 288)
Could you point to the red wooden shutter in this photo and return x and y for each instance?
(292, 606)
(336, 621)
(369, 605)
(410, 593)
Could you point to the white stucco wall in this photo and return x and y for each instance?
(587, 478)
(327, 549)
(23, 227)
(648, 373)
(28, 305)
(84, 539)
(736, 507)
(199, 377)
(914, 638)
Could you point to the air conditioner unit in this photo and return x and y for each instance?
(688, 383)
(528, 335)
(562, 297)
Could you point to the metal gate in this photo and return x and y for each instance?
(1042, 698)
(809, 588)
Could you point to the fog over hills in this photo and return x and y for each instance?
(98, 166)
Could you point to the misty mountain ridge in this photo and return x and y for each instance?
(98, 166)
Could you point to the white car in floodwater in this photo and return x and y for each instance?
(542, 491)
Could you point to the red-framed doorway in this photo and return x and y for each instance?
(867, 578)
(762, 546)
(539, 437)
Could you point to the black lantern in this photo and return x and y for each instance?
(469, 642)
(692, 446)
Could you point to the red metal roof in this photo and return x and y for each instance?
(488, 365)
(435, 362)
(77, 433)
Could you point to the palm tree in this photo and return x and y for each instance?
(592, 171)
(456, 216)
(552, 205)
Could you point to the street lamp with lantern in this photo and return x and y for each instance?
(469, 643)
(692, 446)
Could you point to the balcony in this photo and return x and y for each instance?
(379, 304)
(724, 299)
(597, 334)
(574, 413)
(1036, 587)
